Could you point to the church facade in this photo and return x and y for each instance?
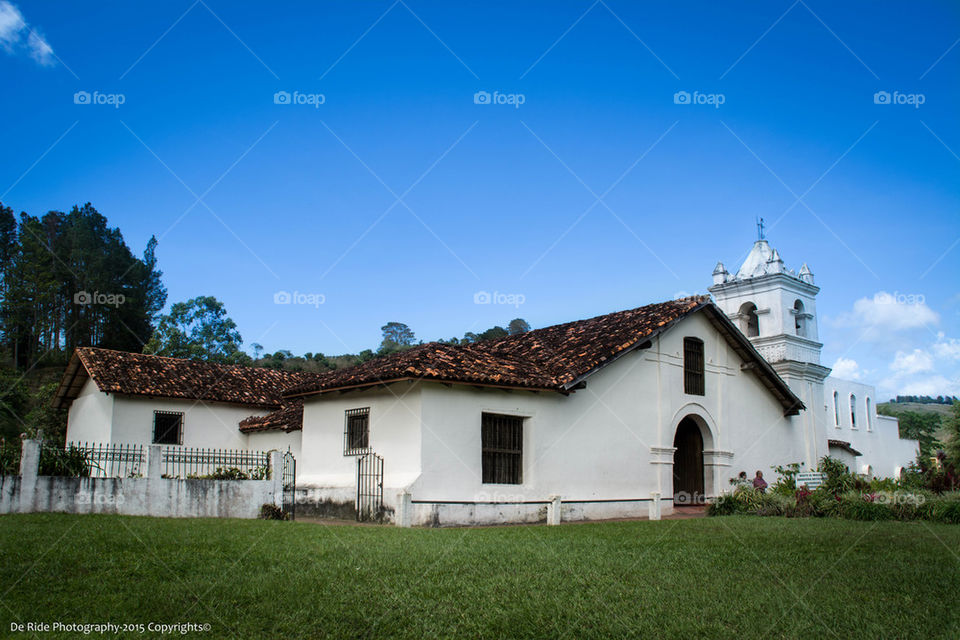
(611, 416)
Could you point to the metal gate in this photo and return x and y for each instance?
(370, 487)
(289, 478)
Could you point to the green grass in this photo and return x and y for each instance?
(743, 577)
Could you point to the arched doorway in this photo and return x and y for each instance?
(688, 464)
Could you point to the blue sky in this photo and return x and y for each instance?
(400, 197)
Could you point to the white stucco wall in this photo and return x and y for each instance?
(609, 442)
(204, 424)
(876, 437)
(325, 474)
(275, 440)
(90, 416)
(99, 417)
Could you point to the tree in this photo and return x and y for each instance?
(69, 280)
(951, 424)
(198, 329)
(493, 333)
(917, 426)
(396, 337)
(517, 326)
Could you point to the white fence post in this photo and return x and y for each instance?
(404, 509)
(554, 509)
(29, 469)
(655, 505)
(276, 474)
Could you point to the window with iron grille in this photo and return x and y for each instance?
(693, 378)
(502, 449)
(356, 431)
(167, 427)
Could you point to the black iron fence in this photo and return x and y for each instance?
(370, 487)
(98, 460)
(217, 464)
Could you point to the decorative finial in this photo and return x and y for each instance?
(761, 234)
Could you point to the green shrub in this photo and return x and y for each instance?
(273, 512)
(69, 462)
(786, 483)
(839, 479)
(775, 504)
(744, 499)
(227, 474)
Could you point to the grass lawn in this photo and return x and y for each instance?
(744, 577)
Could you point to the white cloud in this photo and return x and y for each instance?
(916, 361)
(11, 25)
(40, 50)
(947, 349)
(887, 313)
(16, 36)
(934, 385)
(846, 369)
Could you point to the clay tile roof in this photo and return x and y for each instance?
(549, 358)
(288, 418)
(555, 358)
(843, 444)
(146, 375)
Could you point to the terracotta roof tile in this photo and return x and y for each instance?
(549, 358)
(146, 375)
(288, 418)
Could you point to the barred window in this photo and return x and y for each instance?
(167, 427)
(502, 449)
(693, 377)
(356, 431)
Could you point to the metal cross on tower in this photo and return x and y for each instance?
(761, 235)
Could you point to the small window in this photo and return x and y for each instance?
(356, 432)
(836, 409)
(853, 411)
(693, 381)
(167, 427)
(749, 320)
(800, 319)
(869, 422)
(502, 449)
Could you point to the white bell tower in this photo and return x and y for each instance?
(776, 309)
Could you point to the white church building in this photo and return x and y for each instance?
(666, 402)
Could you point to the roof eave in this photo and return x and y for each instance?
(387, 381)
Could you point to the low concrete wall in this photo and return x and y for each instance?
(149, 496)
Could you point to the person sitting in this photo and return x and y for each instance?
(759, 483)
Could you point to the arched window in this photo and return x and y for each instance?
(853, 411)
(869, 421)
(799, 319)
(836, 409)
(693, 378)
(749, 320)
